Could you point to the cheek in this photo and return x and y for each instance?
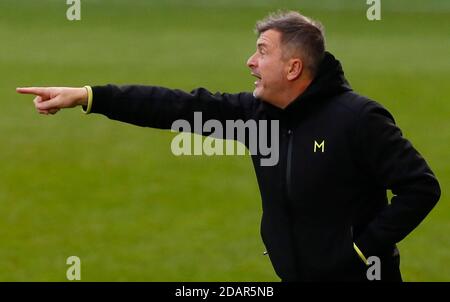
(272, 71)
(272, 79)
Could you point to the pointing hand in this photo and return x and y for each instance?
(49, 100)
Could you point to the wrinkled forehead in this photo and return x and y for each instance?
(269, 38)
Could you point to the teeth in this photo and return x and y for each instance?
(258, 78)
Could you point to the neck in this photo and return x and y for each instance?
(292, 93)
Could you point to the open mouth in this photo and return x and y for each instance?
(258, 78)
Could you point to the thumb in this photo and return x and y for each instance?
(54, 103)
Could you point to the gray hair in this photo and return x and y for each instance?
(299, 34)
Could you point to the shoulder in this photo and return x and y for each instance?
(360, 106)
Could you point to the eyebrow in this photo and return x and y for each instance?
(261, 45)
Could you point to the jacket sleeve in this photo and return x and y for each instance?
(158, 107)
(392, 163)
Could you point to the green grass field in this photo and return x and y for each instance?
(114, 195)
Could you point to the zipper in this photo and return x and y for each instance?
(289, 203)
(288, 164)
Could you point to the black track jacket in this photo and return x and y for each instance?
(339, 153)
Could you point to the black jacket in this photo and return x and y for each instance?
(320, 198)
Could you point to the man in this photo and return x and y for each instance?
(325, 209)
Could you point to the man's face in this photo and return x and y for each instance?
(268, 66)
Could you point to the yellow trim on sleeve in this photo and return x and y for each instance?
(360, 254)
(90, 97)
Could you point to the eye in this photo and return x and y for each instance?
(261, 50)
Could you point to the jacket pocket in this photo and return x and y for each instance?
(326, 253)
(351, 266)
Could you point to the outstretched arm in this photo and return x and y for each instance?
(149, 106)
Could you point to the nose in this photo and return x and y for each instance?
(251, 62)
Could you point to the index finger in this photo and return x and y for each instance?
(32, 90)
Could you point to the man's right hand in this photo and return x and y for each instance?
(49, 100)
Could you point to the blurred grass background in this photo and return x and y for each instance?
(114, 195)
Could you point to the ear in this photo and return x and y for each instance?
(295, 69)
